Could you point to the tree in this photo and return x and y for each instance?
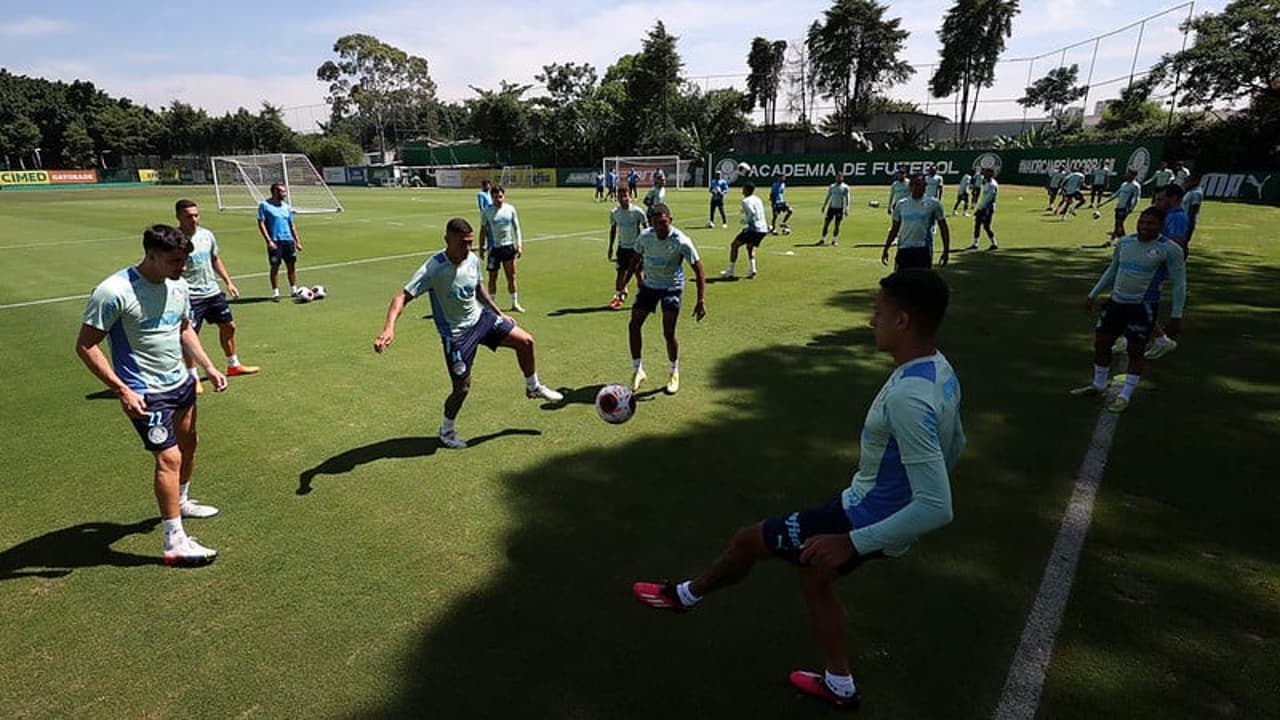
(500, 118)
(1054, 91)
(19, 137)
(375, 82)
(973, 36)
(1133, 108)
(853, 55)
(562, 118)
(655, 77)
(766, 61)
(77, 146)
(1236, 55)
(708, 121)
(186, 129)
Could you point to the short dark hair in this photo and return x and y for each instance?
(458, 225)
(497, 189)
(1174, 190)
(484, 183)
(748, 188)
(659, 209)
(183, 204)
(1158, 213)
(921, 293)
(165, 238)
(277, 185)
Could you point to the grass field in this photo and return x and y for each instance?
(365, 572)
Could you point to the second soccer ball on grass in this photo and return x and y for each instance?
(615, 403)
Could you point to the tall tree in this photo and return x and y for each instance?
(500, 118)
(1236, 55)
(19, 138)
(853, 53)
(655, 76)
(709, 120)
(973, 37)
(562, 116)
(1054, 92)
(766, 61)
(376, 82)
(77, 146)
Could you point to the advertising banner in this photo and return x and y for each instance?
(147, 175)
(1261, 186)
(449, 178)
(69, 177)
(24, 177)
(335, 175)
(357, 175)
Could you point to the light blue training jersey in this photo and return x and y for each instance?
(483, 200)
(911, 439)
(143, 322)
(1100, 175)
(1193, 198)
(629, 221)
(778, 192)
(1127, 195)
(718, 188)
(1073, 182)
(664, 259)
(898, 189)
(837, 197)
(202, 281)
(753, 214)
(278, 219)
(933, 186)
(504, 225)
(1134, 264)
(452, 290)
(1055, 178)
(987, 200)
(917, 218)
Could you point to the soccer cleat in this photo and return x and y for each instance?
(275, 298)
(724, 226)
(751, 274)
(542, 392)
(710, 224)
(1120, 345)
(615, 304)
(638, 378)
(815, 685)
(1161, 347)
(835, 242)
(1118, 404)
(659, 596)
(516, 307)
(1087, 390)
(189, 553)
(234, 370)
(673, 383)
(726, 274)
(451, 440)
(823, 241)
(193, 509)
(993, 246)
(974, 246)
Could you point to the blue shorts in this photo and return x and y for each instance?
(499, 255)
(784, 535)
(213, 308)
(156, 428)
(490, 330)
(717, 201)
(982, 216)
(1135, 321)
(648, 299)
(285, 252)
(624, 256)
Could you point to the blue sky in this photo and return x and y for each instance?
(244, 53)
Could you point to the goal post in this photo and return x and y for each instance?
(241, 182)
(674, 167)
(516, 176)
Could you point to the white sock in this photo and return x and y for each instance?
(635, 363)
(729, 270)
(515, 298)
(446, 425)
(675, 366)
(293, 289)
(687, 598)
(531, 382)
(824, 238)
(993, 239)
(173, 532)
(1100, 373)
(233, 360)
(753, 265)
(183, 491)
(841, 685)
(275, 292)
(1130, 384)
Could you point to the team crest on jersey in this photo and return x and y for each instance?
(157, 434)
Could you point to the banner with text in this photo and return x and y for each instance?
(73, 177)
(1259, 187)
(24, 177)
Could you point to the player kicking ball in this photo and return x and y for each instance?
(466, 317)
(910, 441)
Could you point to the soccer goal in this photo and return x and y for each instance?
(241, 182)
(675, 168)
(516, 176)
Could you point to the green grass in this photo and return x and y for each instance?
(492, 582)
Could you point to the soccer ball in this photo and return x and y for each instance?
(304, 295)
(744, 168)
(1096, 214)
(615, 403)
(319, 292)
(873, 203)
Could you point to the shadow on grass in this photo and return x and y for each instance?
(404, 447)
(58, 553)
(589, 310)
(103, 394)
(249, 300)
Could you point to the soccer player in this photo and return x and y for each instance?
(754, 228)
(506, 243)
(1134, 264)
(975, 188)
(718, 189)
(1180, 174)
(599, 186)
(1099, 186)
(910, 442)
(913, 221)
(778, 199)
(898, 189)
(1071, 190)
(625, 223)
(661, 251)
(484, 200)
(208, 302)
(836, 207)
(1056, 176)
(633, 181)
(1175, 229)
(1192, 200)
(611, 184)
(145, 309)
(1161, 177)
(1126, 199)
(933, 183)
(657, 194)
(986, 208)
(466, 317)
(962, 194)
(275, 222)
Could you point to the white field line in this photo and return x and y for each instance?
(347, 263)
(1022, 687)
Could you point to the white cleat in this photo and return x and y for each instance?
(542, 392)
(1120, 345)
(1161, 347)
(193, 509)
(189, 553)
(451, 440)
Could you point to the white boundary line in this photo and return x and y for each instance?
(348, 263)
(1022, 687)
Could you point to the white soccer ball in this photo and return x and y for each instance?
(615, 403)
(1096, 214)
(319, 292)
(304, 295)
(744, 168)
(873, 203)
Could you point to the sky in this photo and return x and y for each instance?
(245, 53)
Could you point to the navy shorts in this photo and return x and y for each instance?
(213, 308)
(982, 216)
(284, 252)
(717, 201)
(156, 427)
(490, 330)
(1121, 215)
(836, 214)
(750, 238)
(624, 258)
(499, 255)
(784, 535)
(913, 257)
(648, 299)
(781, 207)
(1132, 320)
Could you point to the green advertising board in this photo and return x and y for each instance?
(1259, 186)
(1016, 166)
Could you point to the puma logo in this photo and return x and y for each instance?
(1253, 180)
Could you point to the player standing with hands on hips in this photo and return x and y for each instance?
(275, 222)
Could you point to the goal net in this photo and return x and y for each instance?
(241, 182)
(675, 168)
